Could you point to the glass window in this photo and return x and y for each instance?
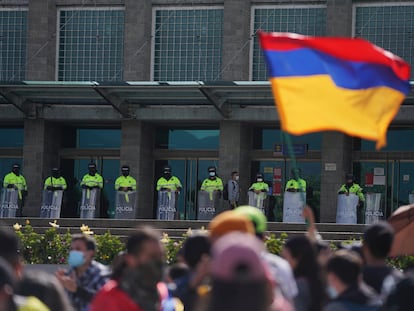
(13, 33)
(11, 137)
(187, 44)
(267, 138)
(185, 139)
(305, 20)
(396, 141)
(98, 138)
(89, 39)
(390, 26)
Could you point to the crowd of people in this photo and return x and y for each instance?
(226, 267)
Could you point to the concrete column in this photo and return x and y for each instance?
(136, 151)
(336, 147)
(40, 154)
(235, 144)
(137, 47)
(41, 40)
(236, 40)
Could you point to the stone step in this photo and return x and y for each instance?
(176, 229)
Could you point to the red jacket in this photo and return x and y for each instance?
(112, 298)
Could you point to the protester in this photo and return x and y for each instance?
(46, 288)
(139, 285)
(10, 254)
(279, 267)
(196, 253)
(301, 255)
(376, 245)
(85, 276)
(345, 288)
(240, 278)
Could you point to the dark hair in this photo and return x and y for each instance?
(177, 270)
(234, 173)
(378, 239)
(139, 237)
(194, 248)
(87, 239)
(346, 265)
(46, 288)
(9, 246)
(302, 249)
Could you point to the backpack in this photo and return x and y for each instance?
(226, 192)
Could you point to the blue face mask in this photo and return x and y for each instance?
(76, 259)
(332, 293)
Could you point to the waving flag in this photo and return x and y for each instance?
(343, 84)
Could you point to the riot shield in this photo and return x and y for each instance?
(208, 203)
(373, 208)
(125, 204)
(257, 200)
(346, 209)
(9, 202)
(51, 204)
(89, 207)
(166, 205)
(411, 198)
(293, 203)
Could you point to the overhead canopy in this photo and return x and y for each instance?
(223, 95)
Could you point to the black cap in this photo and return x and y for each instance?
(167, 168)
(125, 168)
(91, 165)
(259, 175)
(211, 169)
(349, 176)
(55, 169)
(16, 165)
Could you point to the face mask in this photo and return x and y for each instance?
(56, 175)
(237, 178)
(332, 293)
(125, 173)
(212, 174)
(92, 172)
(76, 259)
(259, 179)
(167, 175)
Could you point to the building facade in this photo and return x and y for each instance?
(148, 83)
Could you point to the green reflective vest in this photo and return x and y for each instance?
(260, 186)
(55, 182)
(173, 183)
(298, 185)
(92, 181)
(211, 185)
(128, 182)
(355, 188)
(18, 181)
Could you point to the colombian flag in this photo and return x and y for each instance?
(343, 84)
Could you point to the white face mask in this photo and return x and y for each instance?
(259, 179)
(237, 177)
(212, 174)
(332, 293)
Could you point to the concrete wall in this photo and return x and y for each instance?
(336, 147)
(235, 143)
(136, 151)
(40, 154)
